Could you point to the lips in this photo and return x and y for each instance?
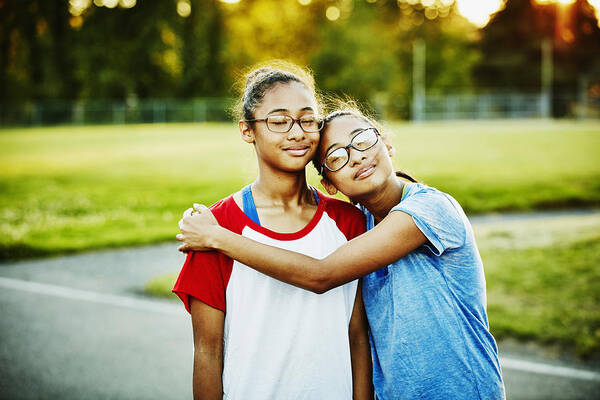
(364, 172)
(297, 151)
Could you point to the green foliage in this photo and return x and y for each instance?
(149, 51)
(368, 55)
(511, 47)
(120, 55)
(201, 50)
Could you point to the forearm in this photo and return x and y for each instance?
(294, 268)
(208, 371)
(360, 350)
(390, 240)
(362, 374)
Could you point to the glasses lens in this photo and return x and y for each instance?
(336, 159)
(279, 123)
(310, 123)
(365, 139)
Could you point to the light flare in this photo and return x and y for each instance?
(128, 3)
(332, 13)
(565, 2)
(184, 8)
(596, 6)
(77, 7)
(478, 11)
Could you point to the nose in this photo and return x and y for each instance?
(355, 157)
(296, 132)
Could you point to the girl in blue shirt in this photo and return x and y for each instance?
(423, 280)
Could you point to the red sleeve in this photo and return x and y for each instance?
(348, 218)
(205, 275)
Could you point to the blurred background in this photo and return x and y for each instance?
(126, 61)
(114, 118)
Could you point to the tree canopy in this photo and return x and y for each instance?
(79, 50)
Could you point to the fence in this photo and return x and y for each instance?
(506, 105)
(116, 112)
(485, 106)
(432, 107)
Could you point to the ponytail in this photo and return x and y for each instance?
(406, 176)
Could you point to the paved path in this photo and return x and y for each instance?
(79, 327)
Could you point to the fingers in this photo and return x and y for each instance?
(188, 212)
(183, 248)
(200, 207)
(180, 237)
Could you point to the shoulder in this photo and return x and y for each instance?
(339, 208)
(418, 188)
(348, 218)
(439, 217)
(428, 197)
(222, 206)
(226, 211)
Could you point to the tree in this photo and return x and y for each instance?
(511, 47)
(202, 51)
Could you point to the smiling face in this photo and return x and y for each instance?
(288, 151)
(366, 171)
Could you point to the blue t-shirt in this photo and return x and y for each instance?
(427, 311)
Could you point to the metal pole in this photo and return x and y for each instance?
(418, 105)
(583, 97)
(547, 77)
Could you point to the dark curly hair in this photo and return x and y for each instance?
(259, 79)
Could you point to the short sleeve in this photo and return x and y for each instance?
(348, 218)
(204, 275)
(437, 215)
(356, 223)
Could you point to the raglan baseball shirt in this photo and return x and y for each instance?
(280, 341)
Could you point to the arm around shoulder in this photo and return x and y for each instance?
(394, 237)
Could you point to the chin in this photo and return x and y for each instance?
(295, 167)
(364, 187)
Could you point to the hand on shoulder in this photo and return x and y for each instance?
(196, 226)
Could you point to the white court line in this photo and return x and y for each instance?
(93, 297)
(547, 369)
(155, 306)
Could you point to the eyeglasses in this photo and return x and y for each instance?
(339, 157)
(284, 123)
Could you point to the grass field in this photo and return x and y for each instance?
(65, 189)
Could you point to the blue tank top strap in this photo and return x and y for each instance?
(316, 194)
(249, 206)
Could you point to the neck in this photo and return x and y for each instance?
(380, 201)
(287, 188)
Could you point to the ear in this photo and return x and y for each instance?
(332, 190)
(391, 150)
(246, 132)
